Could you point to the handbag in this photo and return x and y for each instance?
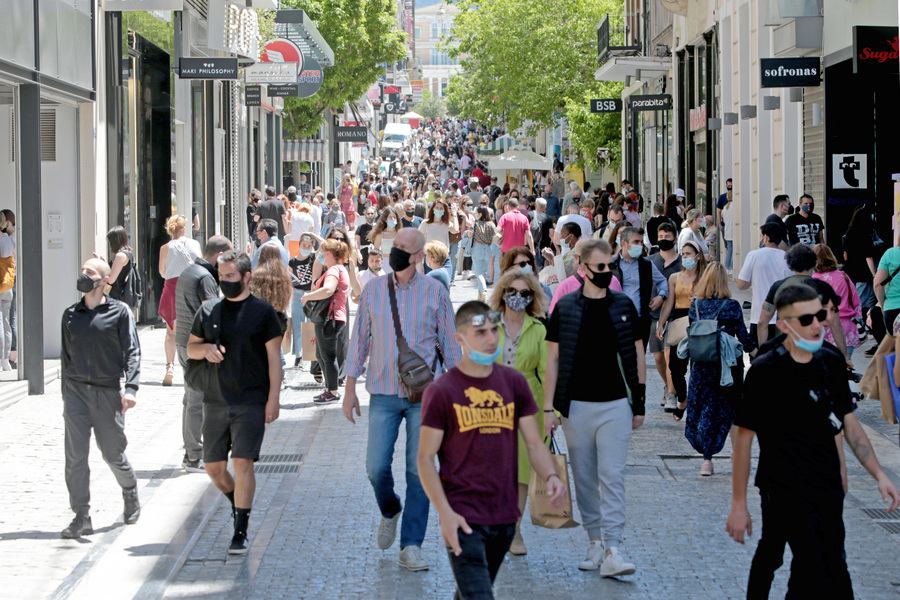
(415, 374)
(677, 330)
(544, 514)
(317, 311)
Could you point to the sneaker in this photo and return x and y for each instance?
(326, 397)
(411, 558)
(614, 565)
(517, 548)
(671, 402)
(132, 506)
(238, 543)
(706, 469)
(194, 466)
(387, 531)
(594, 556)
(871, 351)
(80, 525)
(470, 277)
(296, 362)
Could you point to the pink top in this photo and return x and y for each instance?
(339, 298)
(850, 305)
(570, 284)
(514, 225)
(346, 197)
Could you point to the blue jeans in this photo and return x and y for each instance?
(454, 252)
(481, 258)
(729, 253)
(385, 414)
(297, 317)
(866, 294)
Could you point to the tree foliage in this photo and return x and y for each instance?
(523, 63)
(363, 35)
(432, 107)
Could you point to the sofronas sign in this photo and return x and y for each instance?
(875, 50)
(791, 72)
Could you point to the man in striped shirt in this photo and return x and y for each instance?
(426, 316)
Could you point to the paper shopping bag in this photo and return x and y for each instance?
(308, 333)
(543, 514)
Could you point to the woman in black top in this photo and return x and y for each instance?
(121, 264)
(301, 280)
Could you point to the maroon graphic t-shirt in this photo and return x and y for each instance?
(479, 453)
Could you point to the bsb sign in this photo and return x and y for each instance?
(791, 72)
(875, 50)
(606, 105)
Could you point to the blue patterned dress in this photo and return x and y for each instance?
(710, 407)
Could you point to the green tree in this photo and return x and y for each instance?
(432, 107)
(363, 35)
(525, 62)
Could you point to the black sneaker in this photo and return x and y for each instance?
(238, 543)
(80, 525)
(132, 506)
(326, 398)
(194, 466)
(296, 362)
(871, 351)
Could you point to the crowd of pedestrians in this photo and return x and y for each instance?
(574, 284)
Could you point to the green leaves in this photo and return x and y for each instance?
(524, 61)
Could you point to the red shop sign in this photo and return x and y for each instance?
(875, 50)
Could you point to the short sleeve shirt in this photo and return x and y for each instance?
(804, 230)
(890, 261)
(479, 453)
(514, 225)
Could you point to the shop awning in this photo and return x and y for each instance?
(617, 68)
(303, 150)
(501, 144)
(519, 158)
(296, 26)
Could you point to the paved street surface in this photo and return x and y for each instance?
(314, 517)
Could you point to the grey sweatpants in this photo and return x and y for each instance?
(85, 407)
(597, 435)
(191, 413)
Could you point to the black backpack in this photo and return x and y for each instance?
(132, 290)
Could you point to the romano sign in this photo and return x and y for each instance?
(876, 50)
(651, 102)
(351, 134)
(791, 72)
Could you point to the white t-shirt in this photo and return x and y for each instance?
(762, 268)
(728, 218)
(583, 222)
(7, 245)
(364, 277)
(316, 212)
(301, 223)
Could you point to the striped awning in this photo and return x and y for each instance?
(307, 150)
(500, 145)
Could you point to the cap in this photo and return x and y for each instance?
(680, 193)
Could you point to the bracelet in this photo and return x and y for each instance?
(551, 410)
(551, 475)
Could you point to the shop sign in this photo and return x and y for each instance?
(849, 171)
(606, 105)
(876, 50)
(310, 79)
(253, 95)
(267, 72)
(791, 72)
(418, 90)
(280, 51)
(698, 118)
(651, 102)
(351, 134)
(282, 91)
(208, 68)
(117, 5)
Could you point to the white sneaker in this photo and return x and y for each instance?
(671, 402)
(387, 531)
(411, 558)
(594, 556)
(614, 565)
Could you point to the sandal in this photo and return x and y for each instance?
(170, 374)
(678, 413)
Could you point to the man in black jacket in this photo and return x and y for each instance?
(99, 343)
(597, 419)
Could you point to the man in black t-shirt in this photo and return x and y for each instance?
(241, 336)
(796, 399)
(272, 208)
(805, 226)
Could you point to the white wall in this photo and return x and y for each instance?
(7, 168)
(840, 16)
(59, 192)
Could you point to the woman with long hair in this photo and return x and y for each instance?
(252, 203)
(690, 230)
(482, 234)
(676, 306)
(333, 287)
(521, 299)
(441, 222)
(672, 210)
(850, 307)
(385, 231)
(174, 257)
(271, 281)
(346, 194)
(862, 249)
(614, 235)
(710, 405)
(121, 264)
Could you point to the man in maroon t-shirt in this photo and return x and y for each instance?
(470, 419)
(515, 227)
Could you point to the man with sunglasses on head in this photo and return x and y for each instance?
(799, 424)
(595, 378)
(473, 412)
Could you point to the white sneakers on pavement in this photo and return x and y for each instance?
(614, 565)
(671, 402)
(411, 558)
(594, 556)
(387, 531)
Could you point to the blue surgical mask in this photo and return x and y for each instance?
(391, 223)
(335, 208)
(689, 262)
(304, 252)
(563, 248)
(807, 208)
(322, 258)
(812, 346)
(438, 213)
(483, 358)
(635, 250)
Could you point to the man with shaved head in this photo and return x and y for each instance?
(99, 346)
(425, 315)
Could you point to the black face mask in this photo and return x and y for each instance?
(86, 283)
(231, 289)
(410, 213)
(601, 280)
(399, 259)
(666, 244)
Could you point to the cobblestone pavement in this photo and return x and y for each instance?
(314, 518)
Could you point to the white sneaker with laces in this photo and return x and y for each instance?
(614, 565)
(411, 558)
(671, 402)
(594, 556)
(387, 531)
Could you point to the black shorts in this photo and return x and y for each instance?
(238, 429)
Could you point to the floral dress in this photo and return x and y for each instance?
(710, 407)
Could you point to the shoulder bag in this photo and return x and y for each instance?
(703, 336)
(317, 311)
(415, 375)
(199, 374)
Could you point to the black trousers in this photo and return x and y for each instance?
(331, 350)
(482, 554)
(813, 525)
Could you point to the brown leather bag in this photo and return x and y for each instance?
(415, 374)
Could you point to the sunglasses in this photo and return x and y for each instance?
(524, 293)
(806, 320)
(479, 320)
(522, 263)
(600, 267)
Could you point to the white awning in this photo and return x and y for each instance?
(305, 150)
(519, 158)
(637, 67)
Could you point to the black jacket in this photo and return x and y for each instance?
(99, 345)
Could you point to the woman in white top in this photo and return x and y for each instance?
(690, 231)
(301, 222)
(174, 257)
(440, 223)
(385, 231)
(728, 232)
(315, 211)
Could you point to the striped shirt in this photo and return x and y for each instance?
(426, 316)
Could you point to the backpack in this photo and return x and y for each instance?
(703, 336)
(133, 289)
